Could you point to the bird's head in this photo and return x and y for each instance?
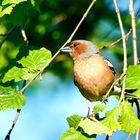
(80, 48)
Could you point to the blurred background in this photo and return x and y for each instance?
(51, 100)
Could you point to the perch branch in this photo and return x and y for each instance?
(69, 39)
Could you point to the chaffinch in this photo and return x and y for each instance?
(93, 74)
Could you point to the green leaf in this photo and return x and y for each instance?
(73, 134)
(12, 1)
(27, 75)
(8, 5)
(137, 92)
(6, 90)
(14, 73)
(36, 59)
(98, 108)
(15, 17)
(111, 120)
(133, 77)
(35, 4)
(128, 120)
(6, 9)
(93, 127)
(74, 120)
(12, 101)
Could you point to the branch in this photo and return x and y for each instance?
(15, 119)
(134, 35)
(7, 35)
(69, 39)
(120, 39)
(14, 123)
(124, 49)
(113, 84)
(137, 134)
(24, 36)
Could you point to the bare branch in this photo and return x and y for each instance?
(124, 49)
(15, 119)
(69, 39)
(134, 35)
(24, 35)
(120, 39)
(7, 35)
(113, 84)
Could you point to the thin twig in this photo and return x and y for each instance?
(120, 39)
(114, 83)
(134, 35)
(14, 123)
(69, 39)
(7, 35)
(137, 134)
(7, 137)
(24, 35)
(124, 49)
(129, 135)
(107, 137)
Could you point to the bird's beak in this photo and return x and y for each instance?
(66, 49)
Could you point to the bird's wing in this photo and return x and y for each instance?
(110, 66)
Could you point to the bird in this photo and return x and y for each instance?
(93, 73)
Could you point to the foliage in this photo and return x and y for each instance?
(119, 118)
(30, 66)
(45, 23)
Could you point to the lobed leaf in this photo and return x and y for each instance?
(98, 108)
(6, 90)
(12, 101)
(73, 134)
(74, 120)
(6, 10)
(111, 120)
(36, 59)
(5, 2)
(133, 77)
(14, 73)
(93, 127)
(128, 120)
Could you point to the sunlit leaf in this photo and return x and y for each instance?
(93, 127)
(133, 77)
(4, 2)
(74, 120)
(6, 10)
(36, 59)
(27, 74)
(5, 90)
(35, 4)
(98, 108)
(73, 134)
(14, 73)
(111, 120)
(128, 120)
(12, 101)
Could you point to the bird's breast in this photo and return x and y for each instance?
(92, 76)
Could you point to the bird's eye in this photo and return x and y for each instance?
(75, 44)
